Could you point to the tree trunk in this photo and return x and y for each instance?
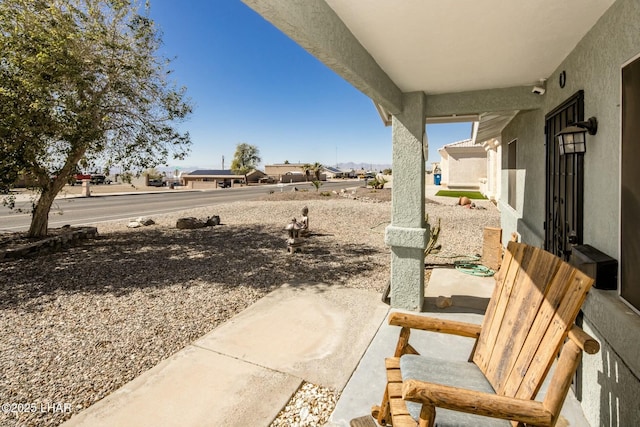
(50, 189)
(40, 217)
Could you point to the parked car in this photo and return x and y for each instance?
(99, 179)
(79, 177)
(156, 183)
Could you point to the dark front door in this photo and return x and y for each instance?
(565, 182)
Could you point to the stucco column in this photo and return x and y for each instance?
(407, 235)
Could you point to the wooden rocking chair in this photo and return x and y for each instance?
(530, 318)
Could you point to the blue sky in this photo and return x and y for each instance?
(251, 83)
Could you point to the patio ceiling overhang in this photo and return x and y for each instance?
(485, 126)
(473, 60)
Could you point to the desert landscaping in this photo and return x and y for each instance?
(80, 323)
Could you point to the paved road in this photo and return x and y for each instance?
(105, 207)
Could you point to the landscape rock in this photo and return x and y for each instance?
(212, 221)
(145, 221)
(464, 201)
(310, 406)
(189, 223)
(134, 224)
(443, 302)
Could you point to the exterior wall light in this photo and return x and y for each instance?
(572, 139)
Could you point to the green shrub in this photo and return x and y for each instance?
(377, 183)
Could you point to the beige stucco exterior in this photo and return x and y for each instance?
(463, 165)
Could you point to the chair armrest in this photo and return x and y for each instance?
(475, 402)
(425, 323)
(583, 340)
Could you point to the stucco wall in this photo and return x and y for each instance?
(611, 379)
(595, 66)
(466, 168)
(528, 129)
(202, 185)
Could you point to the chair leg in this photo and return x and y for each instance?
(382, 413)
(375, 411)
(427, 415)
(403, 342)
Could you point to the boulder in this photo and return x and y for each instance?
(189, 223)
(212, 221)
(464, 201)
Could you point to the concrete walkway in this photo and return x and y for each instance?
(245, 371)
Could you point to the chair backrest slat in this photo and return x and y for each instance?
(536, 300)
(505, 278)
(564, 317)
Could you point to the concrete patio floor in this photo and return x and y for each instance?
(470, 296)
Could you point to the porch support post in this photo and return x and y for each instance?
(407, 235)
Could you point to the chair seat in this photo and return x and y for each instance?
(451, 373)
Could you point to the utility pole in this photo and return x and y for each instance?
(222, 162)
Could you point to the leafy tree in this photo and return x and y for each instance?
(80, 81)
(245, 159)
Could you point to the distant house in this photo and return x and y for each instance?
(207, 178)
(360, 173)
(350, 173)
(256, 176)
(333, 173)
(463, 165)
(290, 172)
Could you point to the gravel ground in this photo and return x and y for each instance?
(79, 324)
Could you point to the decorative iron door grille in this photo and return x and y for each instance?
(565, 182)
